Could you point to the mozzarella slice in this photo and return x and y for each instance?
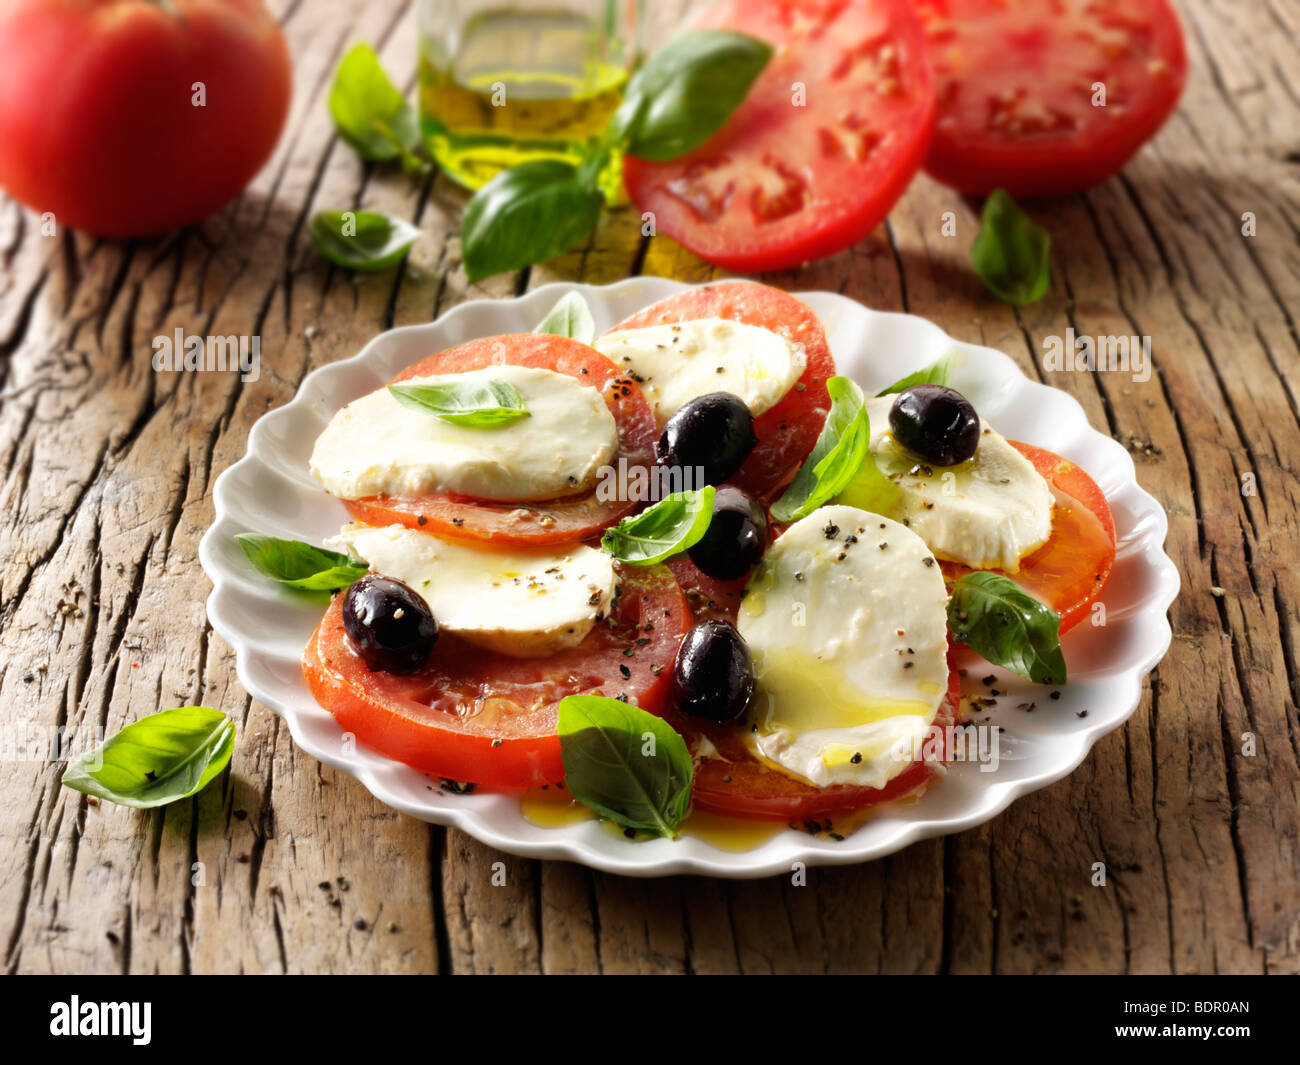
(526, 604)
(674, 363)
(846, 619)
(379, 446)
(988, 512)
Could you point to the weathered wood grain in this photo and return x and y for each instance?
(287, 865)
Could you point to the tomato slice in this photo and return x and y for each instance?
(735, 783)
(472, 715)
(564, 520)
(787, 432)
(824, 144)
(1019, 90)
(1070, 571)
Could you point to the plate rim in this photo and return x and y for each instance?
(725, 864)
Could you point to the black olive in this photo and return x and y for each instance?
(388, 624)
(714, 431)
(736, 537)
(713, 676)
(937, 423)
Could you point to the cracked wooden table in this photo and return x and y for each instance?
(107, 472)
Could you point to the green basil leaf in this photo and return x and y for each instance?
(676, 522)
(1010, 252)
(625, 763)
(938, 372)
(570, 317)
(836, 456)
(299, 565)
(998, 619)
(686, 92)
(473, 404)
(159, 759)
(369, 113)
(362, 240)
(525, 215)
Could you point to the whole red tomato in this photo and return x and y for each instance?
(133, 117)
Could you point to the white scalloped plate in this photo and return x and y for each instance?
(270, 491)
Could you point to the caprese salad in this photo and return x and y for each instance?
(682, 564)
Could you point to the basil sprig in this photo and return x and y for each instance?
(1010, 252)
(998, 619)
(370, 114)
(570, 317)
(472, 403)
(159, 759)
(625, 763)
(362, 240)
(672, 525)
(938, 372)
(682, 96)
(686, 92)
(299, 565)
(836, 456)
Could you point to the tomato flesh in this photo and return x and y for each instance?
(579, 517)
(787, 432)
(474, 715)
(824, 144)
(1019, 90)
(1070, 571)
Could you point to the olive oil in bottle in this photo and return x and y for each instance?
(503, 85)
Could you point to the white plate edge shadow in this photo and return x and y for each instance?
(588, 844)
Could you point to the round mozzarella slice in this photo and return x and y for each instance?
(846, 619)
(674, 363)
(988, 512)
(379, 446)
(526, 604)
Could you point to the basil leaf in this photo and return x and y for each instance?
(836, 456)
(474, 404)
(570, 317)
(676, 522)
(299, 565)
(997, 618)
(1010, 252)
(686, 92)
(369, 113)
(364, 241)
(624, 763)
(159, 759)
(938, 372)
(525, 215)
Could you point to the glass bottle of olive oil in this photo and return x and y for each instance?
(508, 81)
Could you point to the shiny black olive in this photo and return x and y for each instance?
(713, 676)
(736, 537)
(714, 431)
(388, 624)
(937, 423)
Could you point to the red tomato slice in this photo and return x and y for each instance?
(735, 783)
(557, 521)
(1068, 572)
(827, 140)
(787, 432)
(1017, 83)
(472, 715)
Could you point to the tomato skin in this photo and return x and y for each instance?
(987, 51)
(97, 123)
(1070, 571)
(559, 521)
(477, 716)
(783, 183)
(787, 432)
(745, 787)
